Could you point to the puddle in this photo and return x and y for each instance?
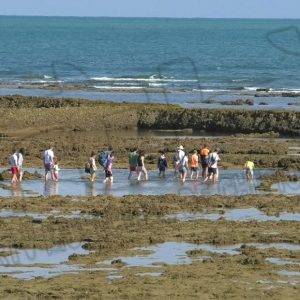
(291, 187)
(25, 264)
(5, 213)
(173, 253)
(232, 183)
(289, 273)
(152, 274)
(282, 262)
(241, 215)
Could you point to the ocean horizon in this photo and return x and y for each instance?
(150, 54)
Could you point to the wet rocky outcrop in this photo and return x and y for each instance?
(217, 120)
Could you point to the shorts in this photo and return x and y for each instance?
(14, 171)
(132, 168)
(183, 170)
(162, 169)
(141, 169)
(204, 163)
(108, 174)
(249, 171)
(47, 167)
(92, 171)
(212, 171)
(194, 169)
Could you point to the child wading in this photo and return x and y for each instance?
(162, 164)
(92, 165)
(108, 169)
(55, 169)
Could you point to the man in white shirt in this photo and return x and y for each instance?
(213, 159)
(48, 163)
(16, 162)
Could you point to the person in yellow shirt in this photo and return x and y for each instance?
(249, 166)
(195, 164)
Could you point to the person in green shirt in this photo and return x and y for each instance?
(133, 159)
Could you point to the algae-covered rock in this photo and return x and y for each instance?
(216, 120)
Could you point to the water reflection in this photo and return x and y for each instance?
(51, 188)
(232, 183)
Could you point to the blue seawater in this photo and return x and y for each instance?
(138, 53)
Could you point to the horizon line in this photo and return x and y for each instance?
(152, 17)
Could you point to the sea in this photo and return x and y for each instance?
(151, 59)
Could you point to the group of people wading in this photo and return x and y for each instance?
(203, 158)
(182, 163)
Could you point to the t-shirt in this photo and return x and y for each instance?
(20, 161)
(13, 161)
(249, 165)
(184, 162)
(181, 155)
(214, 157)
(133, 157)
(48, 156)
(194, 161)
(204, 152)
(56, 168)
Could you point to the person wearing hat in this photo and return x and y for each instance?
(178, 157)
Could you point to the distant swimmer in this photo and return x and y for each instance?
(249, 166)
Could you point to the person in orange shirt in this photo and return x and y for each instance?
(204, 152)
(195, 165)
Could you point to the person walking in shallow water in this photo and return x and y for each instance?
(133, 157)
(16, 162)
(162, 164)
(93, 167)
(194, 164)
(183, 167)
(213, 172)
(141, 166)
(204, 152)
(108, 169)
(48, 162)
(249, 166)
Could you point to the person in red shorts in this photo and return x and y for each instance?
(133, 160)
(15, 162)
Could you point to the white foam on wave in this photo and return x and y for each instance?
(151, 79)
(157, 84)
(118, 87)
(251, 88)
